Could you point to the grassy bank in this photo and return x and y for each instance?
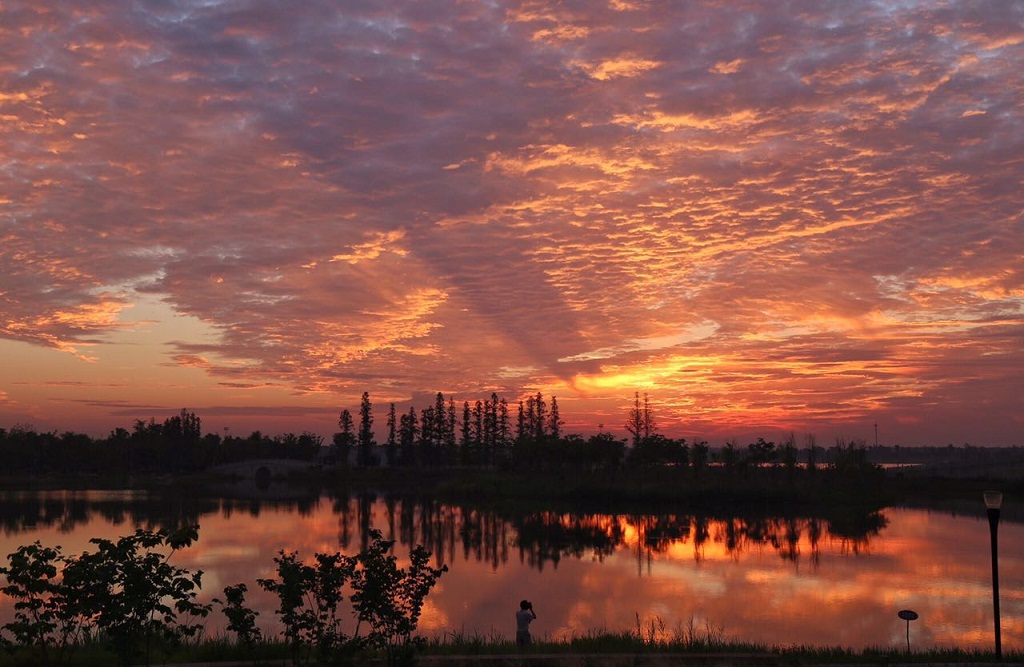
(638, 645)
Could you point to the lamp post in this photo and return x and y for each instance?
(993, 502)
(908, 615)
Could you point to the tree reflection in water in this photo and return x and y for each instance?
(763, 576)
(538, 538)
(544, 538)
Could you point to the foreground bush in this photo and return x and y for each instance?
(126, 598)
(388, 600)
(124, 594)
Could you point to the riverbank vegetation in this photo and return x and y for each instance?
(522, 469)
(491, 453)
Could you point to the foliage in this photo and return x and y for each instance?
(366, 440)
(241, 619)
(658, 451)
(484, 438)
(130, 591)
(386, 598)
(125, 594)
(309, 598)
(31, 575)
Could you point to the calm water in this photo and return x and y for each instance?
(779, 581)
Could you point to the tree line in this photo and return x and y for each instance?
(175, 445)
(486, 434)
(491, 433)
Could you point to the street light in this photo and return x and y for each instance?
(993, 501)
(908, 615)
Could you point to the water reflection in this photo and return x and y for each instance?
(819, 580)
(24, 511)
(544, 538)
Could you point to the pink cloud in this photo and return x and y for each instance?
(836, 191)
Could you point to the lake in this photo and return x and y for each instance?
(775, 580)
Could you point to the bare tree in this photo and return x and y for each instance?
(640, 424)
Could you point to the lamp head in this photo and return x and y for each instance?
(993, 499)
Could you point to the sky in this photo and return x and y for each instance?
(770, 217)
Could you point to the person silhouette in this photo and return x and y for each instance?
(524, 617)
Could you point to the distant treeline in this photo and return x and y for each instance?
(485, 433)
(966, 455)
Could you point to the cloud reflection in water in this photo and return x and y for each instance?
(779, 581)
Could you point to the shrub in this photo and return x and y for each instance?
(383, 596)
(125, 594)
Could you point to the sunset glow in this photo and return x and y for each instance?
(804, 219)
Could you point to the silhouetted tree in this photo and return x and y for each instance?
(504, 428)
(605, 451)
(451, 426)
(478, 428)
(760, 452)
(466, 438)
(491, 435)
(428, 436)
(185, 427)
(302, 447)
(408, 432)
(392, 442)
(850, 457)
(440, 420)
(657, 450)
(730, 459)
(788, 454)
(521, 424)
(813, 451)
(366, 440)
(640, 424)
(699, 455)
(345, 439)
(539, 417)
(555, 422)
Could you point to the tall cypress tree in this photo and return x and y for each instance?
(440, 427)
(504, 429)
(366, 440)
(408, 432)
(344, 440)
(540, 424)
(427, 436)
(554, 420)
(392, 436)
(465, 442)
(491, 428)
(478, 428)
(449, 432)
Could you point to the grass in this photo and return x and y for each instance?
(653, 636)
(650, 636)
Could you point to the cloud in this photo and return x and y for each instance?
(819, 182)
(649, 344)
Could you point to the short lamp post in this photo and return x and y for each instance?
(993, 502)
